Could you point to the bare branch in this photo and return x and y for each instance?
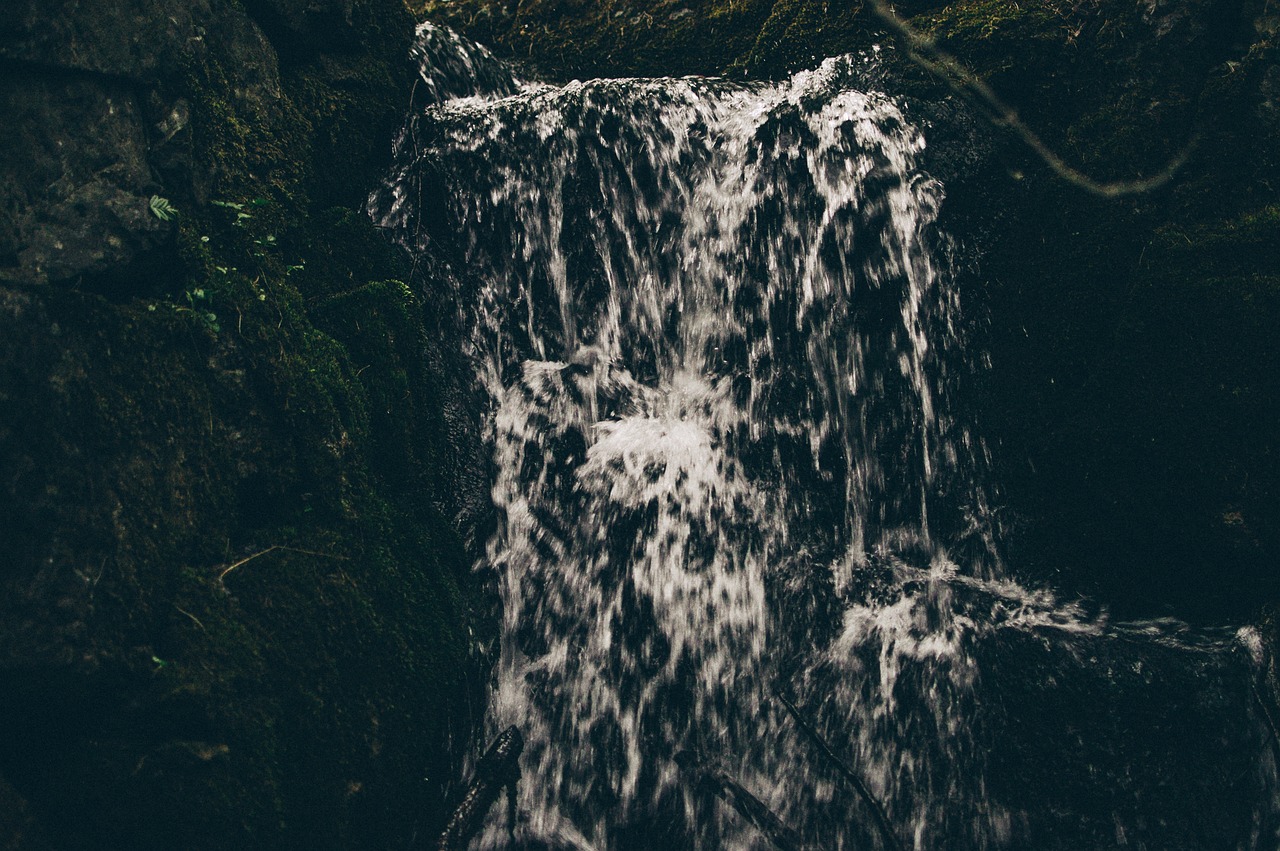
(882, 820)
(1266, 716)
(925, 52)
(193, 617)
(716, 782)
(271, 549)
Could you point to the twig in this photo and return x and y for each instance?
(882, 820)
(188, 614)
(752, 809)
(1267, 716)
(274, 548)
(925, 52)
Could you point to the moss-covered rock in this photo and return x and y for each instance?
(236, 470)
(568, 38)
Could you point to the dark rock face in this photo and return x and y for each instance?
(237, 461)
(81, 215)
(85, 87)
(1129, 384)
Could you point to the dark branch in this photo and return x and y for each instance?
(1268, 717)
(715, 782)
(882, 820)
(499, 768)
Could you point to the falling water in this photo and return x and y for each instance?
(721, 338)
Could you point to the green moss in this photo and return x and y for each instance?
(322, 692)
(318, 678)
(977, 21)
(799, 34)
(1241, 244)
(618, 37)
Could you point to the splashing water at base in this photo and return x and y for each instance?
(721, 339)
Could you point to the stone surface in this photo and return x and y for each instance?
(75, 181)
(236, 453)
(90, 92)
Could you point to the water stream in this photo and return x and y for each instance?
(724, 351)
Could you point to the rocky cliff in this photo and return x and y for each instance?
(236, 460)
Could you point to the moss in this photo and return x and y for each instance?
(270, 398)
(801, 33)
(616, 38)
(210, 446)
(255, 154)
(991, 21)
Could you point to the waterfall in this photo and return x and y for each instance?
(721, 338)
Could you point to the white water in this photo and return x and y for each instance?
(721, 340)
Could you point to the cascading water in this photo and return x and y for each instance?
(720, 336)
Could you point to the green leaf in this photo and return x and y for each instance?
(162, 209)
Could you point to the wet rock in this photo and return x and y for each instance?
(184, 388)
(75, 181)
(305, 27)
(93, 129)
(131, 40)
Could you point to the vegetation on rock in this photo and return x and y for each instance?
(254, 378)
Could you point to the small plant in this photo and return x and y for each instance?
(198, 304)
(242, 217)
(162, 209)
(256, 246)
(264, 244)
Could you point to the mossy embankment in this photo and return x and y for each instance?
(1133, 395)
(236, 469)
